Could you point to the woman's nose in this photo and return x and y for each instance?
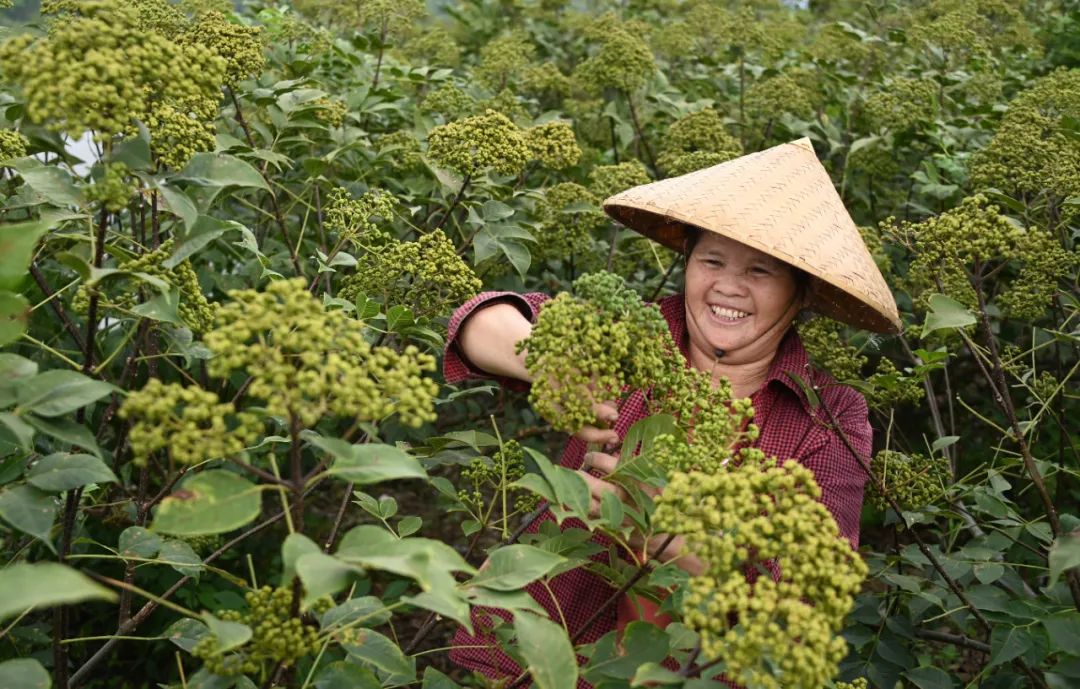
(730, 283)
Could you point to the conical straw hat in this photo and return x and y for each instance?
(779, 201)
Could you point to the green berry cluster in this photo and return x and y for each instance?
(405, 149)
(354, 220)
(545, 80)
(113, 190)
(970, 241)
(623, 62)
(194, 309)
(449, 101)
(490, 476)
(277, 636)
(858, 683)
(434, 46)
(902, 104)
(205, 544)
(829, 351)
(176, 134)
(393, 19)
(588, 346)
(913, 480)
(306, 362)
(553, 144)
(427, 276)
(99, 69)
(12, 144)
(696, 141)
(240, 46)
(503, 59)
(193, 424)
(606, 180)
(874, 160)
(1034, 149)
(768, 633)
(330, 111)
(475, 144)
(773, 96)
(563, 233)
(973, 28)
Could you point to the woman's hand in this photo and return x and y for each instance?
(605, 412)
(604, 464)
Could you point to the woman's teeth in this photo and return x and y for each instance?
(728, 313)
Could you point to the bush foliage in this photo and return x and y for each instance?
(227, 458)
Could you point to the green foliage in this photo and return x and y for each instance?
(235, 310)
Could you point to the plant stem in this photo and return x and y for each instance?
(640, 134)
(454, 202)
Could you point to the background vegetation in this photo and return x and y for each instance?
(220, 339)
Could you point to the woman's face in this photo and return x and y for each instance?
(738, 299)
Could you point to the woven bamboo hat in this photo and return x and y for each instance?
(780, 201)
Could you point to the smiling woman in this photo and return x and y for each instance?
(764, 236)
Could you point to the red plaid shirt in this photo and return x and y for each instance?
(790, 428)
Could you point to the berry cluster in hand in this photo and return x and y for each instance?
(306, 362)
(588, 346)
(427, 276)
(761, 517)
(191, 423)
(277, 636)
(913, 480)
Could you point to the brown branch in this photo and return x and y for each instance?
(640, 133)
(57, 306)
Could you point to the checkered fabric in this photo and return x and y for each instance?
(790, 428)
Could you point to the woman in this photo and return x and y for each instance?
(764, 236)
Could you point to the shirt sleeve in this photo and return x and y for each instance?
(456, 366)
(839, 473)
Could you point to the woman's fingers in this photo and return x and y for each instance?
(600, 436)
(601, 461)
(597, 487)
(606, 411)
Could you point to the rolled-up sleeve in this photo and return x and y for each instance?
(456, 366)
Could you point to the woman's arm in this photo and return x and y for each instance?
(489, 336)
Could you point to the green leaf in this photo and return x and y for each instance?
(547, 651)
(929, 678)
(323, 575)
(65, 430)
(134, 152)
(136, 541)
(1062, 630)
(511, 567)
(182, 557)
(179, 204)
(24, 673)
(221, 170)
(433, 679)
(1007, 643)
(447, 602)
(58, 392)
(293, 548)
(946, 314)
(409, 525)
(507, 600)
(611, 510)
(51, 183)
(367, 463)
(229, 635)
(29, 510)
(14, 316)
(641, 436)
(375, 650)
(15, 431)
(17, 242)
(44, 584)
(209, 503)
(63, 471)
(163, 307)
(367, 611)
(342, 675)
(186, 632)
(205, 230)
(1064, 555)
(651, 674)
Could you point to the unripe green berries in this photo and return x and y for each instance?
(476, 144)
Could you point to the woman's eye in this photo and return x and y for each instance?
(760, 270)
